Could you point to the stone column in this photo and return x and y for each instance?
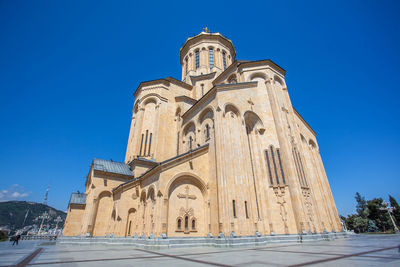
(292, 182)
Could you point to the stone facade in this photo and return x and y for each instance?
(220, 152)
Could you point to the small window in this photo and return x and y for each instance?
(193, 224)
(197, 56)
(186, 66)
(190, 142)
(207, 132)
(148, 153)
(245, 208)
(179, 224)
(186, 222)
(211, 57)
(224, 59)
(141, 145)
(234, 208)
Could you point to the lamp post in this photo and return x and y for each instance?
(390, 210)
(44, 216)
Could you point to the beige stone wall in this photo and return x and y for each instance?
(73, 222)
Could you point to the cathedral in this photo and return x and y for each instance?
(221, 152)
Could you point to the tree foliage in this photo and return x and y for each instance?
(372, 215)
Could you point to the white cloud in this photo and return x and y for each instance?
(15, 192)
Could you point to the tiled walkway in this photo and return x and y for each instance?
(371, 250)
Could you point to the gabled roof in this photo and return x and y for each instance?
(111, 167)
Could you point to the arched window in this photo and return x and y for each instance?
(186, 222)
(129, 229)
(224, 59)
(207, 132)
(186, 66)
(141, 145)
(179, 224)
(211, 57)
(190, 142)
(193, 224)
(234, 208)
(197, 57)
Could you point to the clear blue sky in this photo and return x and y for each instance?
(68, 70)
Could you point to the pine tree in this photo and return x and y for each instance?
(361, 204)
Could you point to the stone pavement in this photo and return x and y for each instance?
(357, 250)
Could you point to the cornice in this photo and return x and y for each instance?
(164, 81)
(165, 165)
(183, 98)
(207, 76)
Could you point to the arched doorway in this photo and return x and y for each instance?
(103, 215)
(186, 208)
(131, 222)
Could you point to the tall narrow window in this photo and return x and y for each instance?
(224, 59)
(297, 167)
(179, 226)
(190, 142)
(145, 143)
(141, 146)
(186, 66)
(197, 59)
(234, 208)
(177, 144)
(302, 170)
(273, 161)
(211, 57)
(148, 153)
(269, 167)
(129, 228)
(193, 224)
(207, 132)
(245, 209)
(186, 222)
(280, 165)
(202, 89)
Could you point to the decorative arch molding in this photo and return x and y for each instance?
(151, 192)
(253, 122)
(188, 176)
(229, 107)
(261, 75)
(313, 145)
(104, 193)
(143, 196)
(303, 139)
(279, 80)
(205, 114)
(232, 78)
(132, 210)
(187, 127)
(154, 96)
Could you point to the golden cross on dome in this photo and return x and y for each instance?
(206, 30)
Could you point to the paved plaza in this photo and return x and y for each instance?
(357, 250)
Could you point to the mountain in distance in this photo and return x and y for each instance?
(12, 214)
